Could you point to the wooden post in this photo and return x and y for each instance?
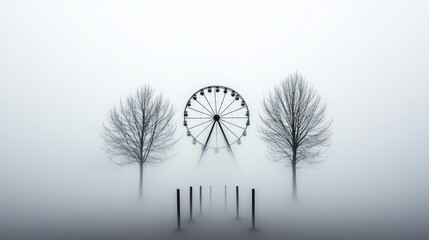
(178, 209)
(210, 196)
(201, 199)
(225, 198)
(237, 200)
(253, 208)
(190, 203)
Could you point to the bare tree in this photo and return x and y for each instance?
(295, 127)
(140, 130)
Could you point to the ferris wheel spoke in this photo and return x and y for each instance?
(202, 131)
(199, 124)
(214, 113)
(214, 92)
(220, 106)
(216, 136)
(208, 138)
(233, 100)
(234, 117)
(229, 129)
(232, 111)
(198, 118)
(224, 136)
(233, 124)
(204, 107)
(199, 111)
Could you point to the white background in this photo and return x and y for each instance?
(64, 64)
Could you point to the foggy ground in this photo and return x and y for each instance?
(296, 221)
(335, 216)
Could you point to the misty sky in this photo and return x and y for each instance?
(64, 64)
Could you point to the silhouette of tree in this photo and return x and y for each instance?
(140, 130)
(294, 126)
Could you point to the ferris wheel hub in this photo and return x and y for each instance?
(216, 117)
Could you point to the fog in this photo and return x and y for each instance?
(65, 64)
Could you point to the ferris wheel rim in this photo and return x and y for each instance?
(210, 114)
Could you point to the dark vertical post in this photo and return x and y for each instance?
(190, 203)
(178, 209)
(237, 200)
(201, 199)
(253, 208)
(225, 198)
(210, 196)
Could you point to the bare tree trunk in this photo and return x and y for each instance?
(294, 189)
(141, 182)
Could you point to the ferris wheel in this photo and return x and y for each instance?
(216, 117)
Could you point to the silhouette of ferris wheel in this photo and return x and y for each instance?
(216, 117)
